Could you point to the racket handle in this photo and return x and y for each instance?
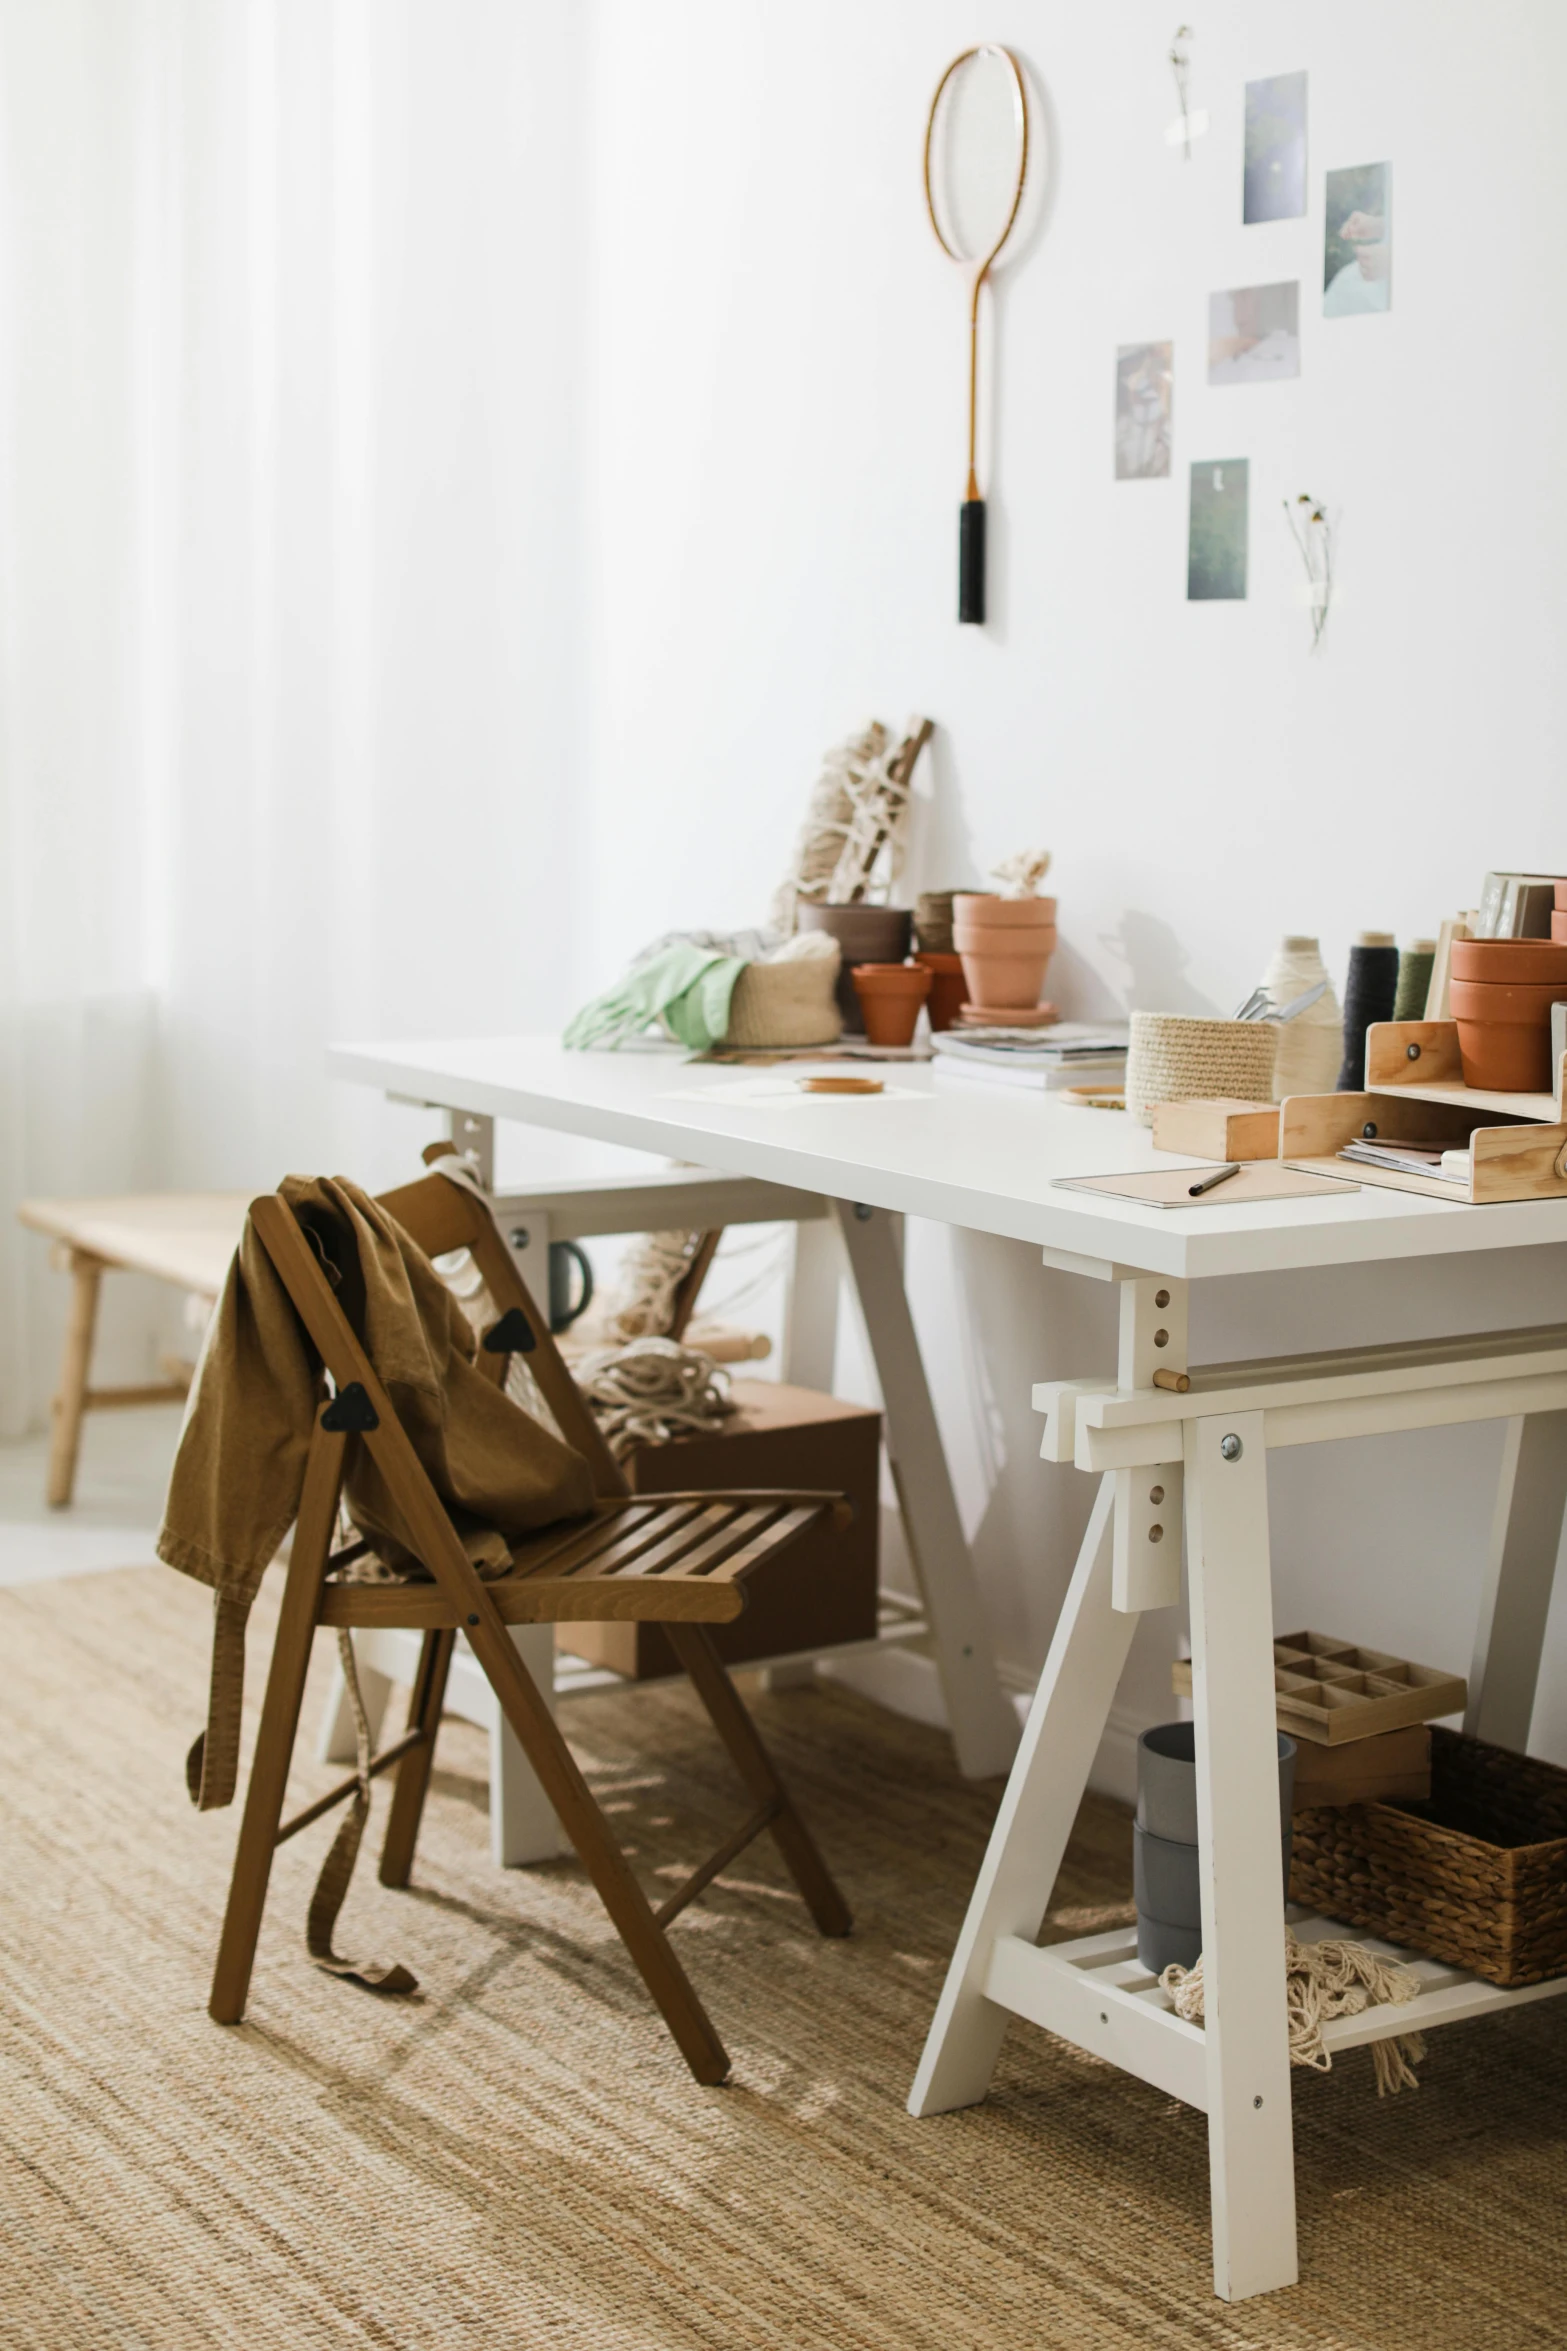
(971, 560)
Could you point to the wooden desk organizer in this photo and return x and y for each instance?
(1331, 1691)
(1415, 1093)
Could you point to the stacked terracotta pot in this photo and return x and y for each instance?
(1501, 995)
(1006, 945)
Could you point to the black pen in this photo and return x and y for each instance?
(1220, 1175)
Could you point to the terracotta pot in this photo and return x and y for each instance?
(867, 934)
(1525, 963)
(948, 988)
(979, 907)
(1561, 897)
(1005, 959)
(1558, 927)
(890, 997)
(1504, 1034)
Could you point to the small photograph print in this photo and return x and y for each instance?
(1216, 541)
(1357, 272)
(1275, 149)
(1144, 383)
(1254, 334)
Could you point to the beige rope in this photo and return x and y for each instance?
(1324, 1980)
(653, 1390)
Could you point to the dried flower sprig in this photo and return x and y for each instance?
(1180, 66)
(1312, 532)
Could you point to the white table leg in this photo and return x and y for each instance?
(1520, 1568)
(1012, 1891)
(981, 1718)
(810, 1343)
(1251, 2161)
(335, 1738)
(523, 1825)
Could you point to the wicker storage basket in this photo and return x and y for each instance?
(1476, 1875)
(789, 1001)
(1174, 1058)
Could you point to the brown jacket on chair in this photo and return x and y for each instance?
(237, 1477)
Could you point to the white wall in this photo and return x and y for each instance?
(776, 447)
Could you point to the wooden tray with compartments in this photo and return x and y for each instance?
(1331, 1691)
(1415, 1093)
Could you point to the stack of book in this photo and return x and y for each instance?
(1070, 1053)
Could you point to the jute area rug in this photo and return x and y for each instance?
(516, 2156)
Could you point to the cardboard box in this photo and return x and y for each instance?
(1216, 1128)
(819, 1592)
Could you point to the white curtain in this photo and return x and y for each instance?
(290, 603)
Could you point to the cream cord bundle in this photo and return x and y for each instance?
(653, 1390)
(1324, 1980)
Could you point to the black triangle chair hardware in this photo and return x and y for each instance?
(350, 1409)
(512, 1335)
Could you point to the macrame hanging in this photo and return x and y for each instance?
(852, 838)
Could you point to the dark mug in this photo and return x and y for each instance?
(562, 1312)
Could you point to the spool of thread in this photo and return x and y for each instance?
(1414, 979)
(1369, 995)
(1311, 1045)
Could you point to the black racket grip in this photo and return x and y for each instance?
(971, 560)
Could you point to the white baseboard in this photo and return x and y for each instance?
(907, 1683)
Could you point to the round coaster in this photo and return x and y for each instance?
(839, 1085)
(1007, 1016)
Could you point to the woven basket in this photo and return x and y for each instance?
(1177, 1059)
(1476, 1875)
(790, 1001)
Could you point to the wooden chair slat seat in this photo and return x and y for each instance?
(683, 1560)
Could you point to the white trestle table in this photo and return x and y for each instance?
(987, 1159)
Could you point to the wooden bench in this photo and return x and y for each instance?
(186, 1238)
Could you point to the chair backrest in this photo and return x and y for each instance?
(442, 1216)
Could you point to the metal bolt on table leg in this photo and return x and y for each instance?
(1231, 1448)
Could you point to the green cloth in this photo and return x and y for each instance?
(687, 987)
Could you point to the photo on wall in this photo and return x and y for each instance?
(1254, 334)
(1216, 538)
(1275, 181)
(1144, 388)
(1357, 260)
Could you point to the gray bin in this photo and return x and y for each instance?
(1164, 1843)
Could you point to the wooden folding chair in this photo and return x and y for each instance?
(683, 1559)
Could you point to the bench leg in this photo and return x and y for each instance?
(71, 1401)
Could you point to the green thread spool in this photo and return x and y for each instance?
(1414, 979)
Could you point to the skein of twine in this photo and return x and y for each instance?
(1321, 1981)
(653, 1390)
(1311, 1046)
(1414, 979)
(1369, 995)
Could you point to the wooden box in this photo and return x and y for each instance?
(1333, 1692)
(1415, 1093)
(819, 1592)
(1217, 1129)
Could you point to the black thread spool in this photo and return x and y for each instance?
(1370, 993)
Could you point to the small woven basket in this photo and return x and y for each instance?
(1174, 1058)
(792, 1001)
(1476, 1875)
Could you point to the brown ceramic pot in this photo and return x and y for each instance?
(1006, 945)
(933, 922)
(948, 988)
(1528, 963)
(1504, 1034)
(866, 934)
(890, 997)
